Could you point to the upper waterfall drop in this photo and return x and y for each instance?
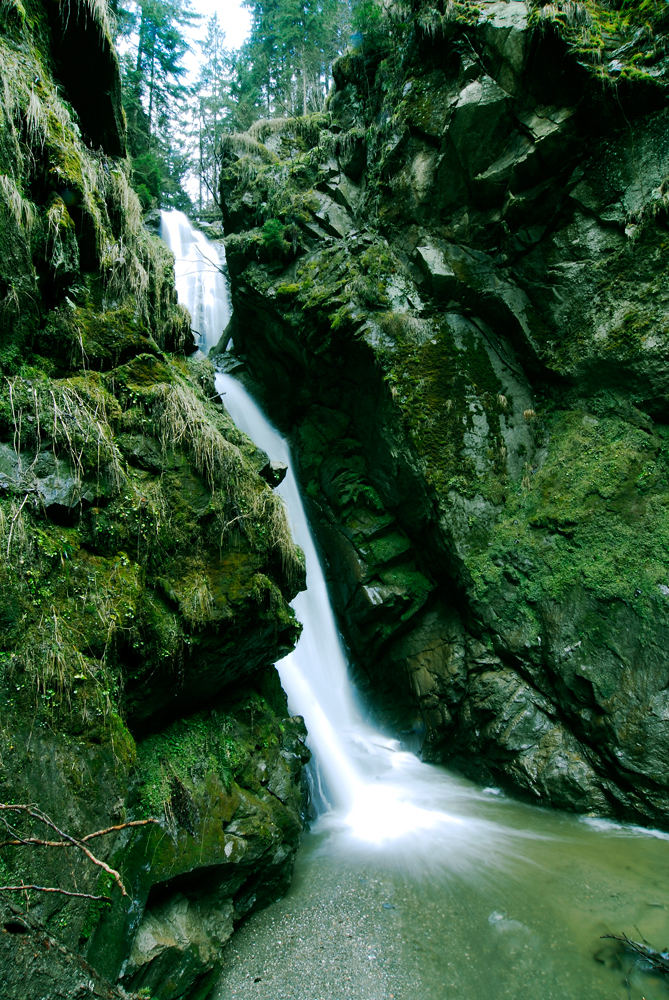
(200, 282)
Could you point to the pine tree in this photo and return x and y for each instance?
(213, 108)
(291, 49)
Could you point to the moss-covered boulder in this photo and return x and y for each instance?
(471, 355)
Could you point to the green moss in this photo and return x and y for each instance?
(12, 15)
(273, 237)
(387, 548)
(183, 755)
(97, 908)
(596, 32)
(174, 766)
(427, 381)
(594, 515)
(408, 579)
(86, 337)
(143, 373)
(626, 341)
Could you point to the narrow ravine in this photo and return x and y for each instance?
(414, 883)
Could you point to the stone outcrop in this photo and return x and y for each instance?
(451, 288)
(145, 575)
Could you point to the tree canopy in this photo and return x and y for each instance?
(175, 125)
(291, 48)
(155, 93)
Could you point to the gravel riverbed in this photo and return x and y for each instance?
(363, 925)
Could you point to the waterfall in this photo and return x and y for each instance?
(374, 789)
(201, 285)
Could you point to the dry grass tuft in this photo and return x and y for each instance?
(183, 421)
(71, 418)
(22, 210)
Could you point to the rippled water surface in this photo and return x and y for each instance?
(413, 921)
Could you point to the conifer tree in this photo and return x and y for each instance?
(291, 48)
(213, 108)
(154, 93)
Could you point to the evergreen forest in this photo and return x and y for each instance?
(177, 117)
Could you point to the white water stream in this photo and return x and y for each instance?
(539, 885)
(374, 788)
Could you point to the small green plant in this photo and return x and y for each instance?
(274, 236)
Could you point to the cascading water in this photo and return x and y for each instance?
(379, 791)
(450, 891)
(199, 279)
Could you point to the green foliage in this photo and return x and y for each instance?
(289, 54)
(274, 236)
(215, 110)
(623, 40)
(147, 178)
(368, 18)
(154, 97)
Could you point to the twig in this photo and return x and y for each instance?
(52, 888)
(14, 520)
(20, 842)
(67, 840)
(657, 959)
(27, 841)
(212, 193)
(120, 826)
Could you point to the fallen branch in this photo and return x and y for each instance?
(39, 842)
(27, 841)
(52, 888)
(65, 841)
(120, 826)
(659, 960)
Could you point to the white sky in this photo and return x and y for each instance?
(234, 19)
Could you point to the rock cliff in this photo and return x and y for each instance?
(452, 288)
(145, 575)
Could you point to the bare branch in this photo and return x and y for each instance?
(67, 841)
(658, 960)
(120, 826)
(52, 888)
(27, 841)
(14, 520)
(37, 841)
(212, 193)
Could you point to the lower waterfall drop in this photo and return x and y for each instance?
(376, 790)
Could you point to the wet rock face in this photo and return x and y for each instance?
(460, 310)
(83, 50)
